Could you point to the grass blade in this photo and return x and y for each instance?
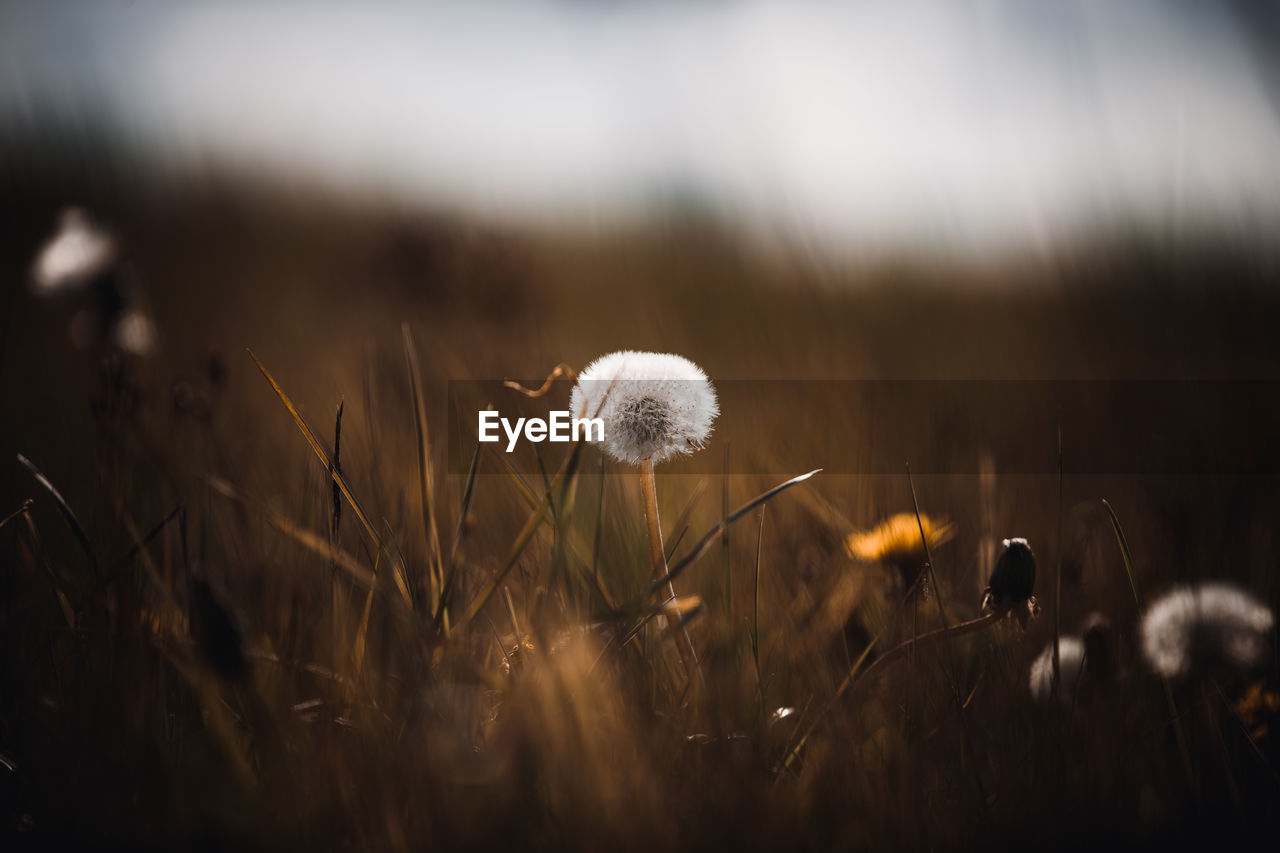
(64, 508)
(705, 542)
(522, 541)
(426, 493)
(311, 541)
(459, 530)
(26, 505)
(1125, 554)
(1127, 557)
(340, 480)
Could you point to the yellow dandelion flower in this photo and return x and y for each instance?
(896, 540)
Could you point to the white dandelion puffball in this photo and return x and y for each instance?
(134, 332)
(1212, 626)
(653, 405)
(1070, 664)
(77, 252)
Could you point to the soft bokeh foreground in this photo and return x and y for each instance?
(217, 673)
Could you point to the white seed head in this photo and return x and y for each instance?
(135, 332)
(77, 252)
(1213, 626)
(1070, 664)
(653, 405)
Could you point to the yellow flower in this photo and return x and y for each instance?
(896, 540)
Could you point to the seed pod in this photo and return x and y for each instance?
(1013, 579)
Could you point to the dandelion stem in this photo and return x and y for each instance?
(658, 559)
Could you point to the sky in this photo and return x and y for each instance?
(863, 125)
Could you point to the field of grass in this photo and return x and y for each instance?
(207, 643)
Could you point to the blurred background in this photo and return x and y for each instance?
(858, 126)
(995, 231)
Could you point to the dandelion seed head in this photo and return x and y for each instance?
(77, 252)
(1083, 662)
(1214, 626)
(1071, 661)
(654, 405)
(134, 332)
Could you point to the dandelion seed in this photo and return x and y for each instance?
(76, 254)
(654, 405)
(1212, 627)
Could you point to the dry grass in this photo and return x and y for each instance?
(215, 653)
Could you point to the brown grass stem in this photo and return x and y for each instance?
(658, 559)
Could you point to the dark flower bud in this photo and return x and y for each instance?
(1014, 578)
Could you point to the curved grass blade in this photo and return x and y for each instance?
(562, 483)
(26, 505)
(311, 541)
(426, 492)
(319, 450)
(705, 542)
(522, 541)
(1125, 554)
(1127, 557)
(63, 507)
(447, 590)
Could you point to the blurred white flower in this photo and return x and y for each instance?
(1085, 663)
(1071, 662)
(1213, 626)
(654, 405)
(77, 252)
(134, 332)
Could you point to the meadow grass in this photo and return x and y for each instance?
(225, 625)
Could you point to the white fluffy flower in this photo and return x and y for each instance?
(1071, 665)
(653, 405)
(1213, 626)
(75, 254)
(134, 332)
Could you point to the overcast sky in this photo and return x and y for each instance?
(867, 124)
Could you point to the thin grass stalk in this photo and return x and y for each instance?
(701, 546)
(724, 535)
(595, 543)
(335, 524)
(441, 618)
(858, 676)
(435, 570)
(1126, 557)
(658, 559)
(311, 541)
(563, 480)
(352, 501)
(755, 618)
(1057, 589)
(26, 505)
(952, 680)
(67, 514)
(589, 572)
